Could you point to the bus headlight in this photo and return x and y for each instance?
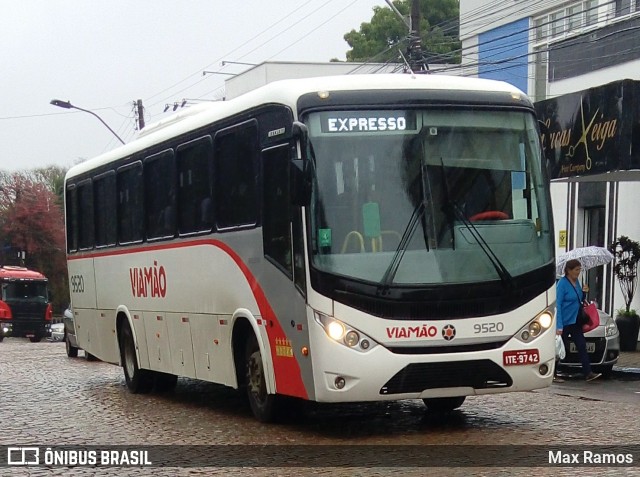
(344, 334)
(537, 326)
(335, 330)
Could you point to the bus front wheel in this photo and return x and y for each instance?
(138, 380)
(444, 404)
(264, 406)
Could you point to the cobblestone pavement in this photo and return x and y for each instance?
(47, 399)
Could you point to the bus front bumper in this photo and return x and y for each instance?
(346, 375)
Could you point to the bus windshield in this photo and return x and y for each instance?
(24, 290)
(431, 196)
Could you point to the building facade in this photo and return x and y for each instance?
(572, 58)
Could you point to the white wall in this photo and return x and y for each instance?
(559, 192)
(629, 225)
(270, 71)
(273, 71)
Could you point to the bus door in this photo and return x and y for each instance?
(283, 243)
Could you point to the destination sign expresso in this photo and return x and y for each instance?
(367, 121)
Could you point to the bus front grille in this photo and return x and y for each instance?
(477, 374)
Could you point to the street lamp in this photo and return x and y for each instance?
(68, 105)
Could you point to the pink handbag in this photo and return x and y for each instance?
(594, 318)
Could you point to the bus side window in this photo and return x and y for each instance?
(160, 200)
(235, 171)
(194, 185)
(130, 203)
(105, 203)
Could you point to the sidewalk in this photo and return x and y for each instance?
(628, 362)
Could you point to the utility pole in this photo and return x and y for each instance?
(140, 113)
(415, 48)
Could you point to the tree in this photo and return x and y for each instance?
(53, 178)
(627, 256)
(31, 220)
(380, 39)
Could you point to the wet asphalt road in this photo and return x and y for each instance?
(49, 399)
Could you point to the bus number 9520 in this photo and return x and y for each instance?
(488, 327)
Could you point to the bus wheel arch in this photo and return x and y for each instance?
(251, 372)
(137, 380)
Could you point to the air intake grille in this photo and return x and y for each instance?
(477, 374)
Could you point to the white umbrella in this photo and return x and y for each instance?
(589, 257)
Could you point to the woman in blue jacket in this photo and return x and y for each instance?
(569, 296)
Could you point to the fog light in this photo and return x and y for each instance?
(365, 344)
(339, 382)
(543, 369)
(525, 335)
(351, 339)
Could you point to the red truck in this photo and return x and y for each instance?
(25, 304)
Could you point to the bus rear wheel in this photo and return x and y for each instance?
(444, 404)
(72, 351)
(265, 406)
(138, 380)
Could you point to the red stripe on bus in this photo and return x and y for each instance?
(286, 369)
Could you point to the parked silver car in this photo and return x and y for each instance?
(603, 346)
(57, 332)
(70, 338)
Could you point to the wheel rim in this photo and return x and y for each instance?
(255, 377)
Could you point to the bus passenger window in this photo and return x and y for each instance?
(160, 196)
(235, 162)
(194, 185)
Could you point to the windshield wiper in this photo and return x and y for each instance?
(409, 230)
(452, 206)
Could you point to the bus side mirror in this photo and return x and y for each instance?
(301, 134)
(300, 182)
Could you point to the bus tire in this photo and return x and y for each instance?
(1, 338)
(139, 381)
(35, 339)
(265, 406)
(164, 382)
(72, 351)
(89, 357)
(444, 404)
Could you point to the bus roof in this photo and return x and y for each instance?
(10, 272)
(287, 92)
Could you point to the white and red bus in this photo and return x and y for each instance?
(25, 304)
(335, 239)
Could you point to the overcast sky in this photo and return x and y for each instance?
(104, 54)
